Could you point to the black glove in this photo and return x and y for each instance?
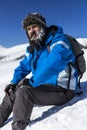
(9, 88)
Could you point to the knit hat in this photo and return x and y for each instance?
(33, 18)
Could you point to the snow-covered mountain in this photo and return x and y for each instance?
(71, 116)
(83, 41)
(13, 53)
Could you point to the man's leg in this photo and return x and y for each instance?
(27, 96)
(8, 101)
(6, 108)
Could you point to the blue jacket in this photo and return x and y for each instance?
(49, 67)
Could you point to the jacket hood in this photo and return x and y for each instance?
(53, 30)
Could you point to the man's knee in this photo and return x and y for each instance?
(21, 91)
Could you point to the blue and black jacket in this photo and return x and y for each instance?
(49, 67)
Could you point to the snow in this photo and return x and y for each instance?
(71, 116)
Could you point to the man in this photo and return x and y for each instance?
(54, 79)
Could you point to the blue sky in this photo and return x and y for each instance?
(70, 14)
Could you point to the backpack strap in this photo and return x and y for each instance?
(68, 86)
(79, 81)
(79, 78)
(79, 86)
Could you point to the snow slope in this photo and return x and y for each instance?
(71, 116)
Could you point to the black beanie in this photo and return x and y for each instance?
(33, 18)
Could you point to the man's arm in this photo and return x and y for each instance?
(21, 71)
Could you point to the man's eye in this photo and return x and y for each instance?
(28, 29)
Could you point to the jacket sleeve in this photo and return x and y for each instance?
(21, 71)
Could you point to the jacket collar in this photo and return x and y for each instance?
(53, 33)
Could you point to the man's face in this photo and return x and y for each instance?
(33, 31)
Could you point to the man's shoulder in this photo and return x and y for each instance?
(53, 29)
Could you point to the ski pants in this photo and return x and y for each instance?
(23, 100)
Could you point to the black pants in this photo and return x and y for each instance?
(25, 97)
(6, 107)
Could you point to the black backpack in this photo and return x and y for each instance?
(80, 63)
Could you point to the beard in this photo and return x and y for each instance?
(38, 41)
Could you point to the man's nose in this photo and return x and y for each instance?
(33, 33)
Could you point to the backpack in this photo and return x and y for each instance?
(80, 63)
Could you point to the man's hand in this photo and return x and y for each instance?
(9, 88)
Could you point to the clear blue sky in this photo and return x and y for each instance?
(70, 14)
